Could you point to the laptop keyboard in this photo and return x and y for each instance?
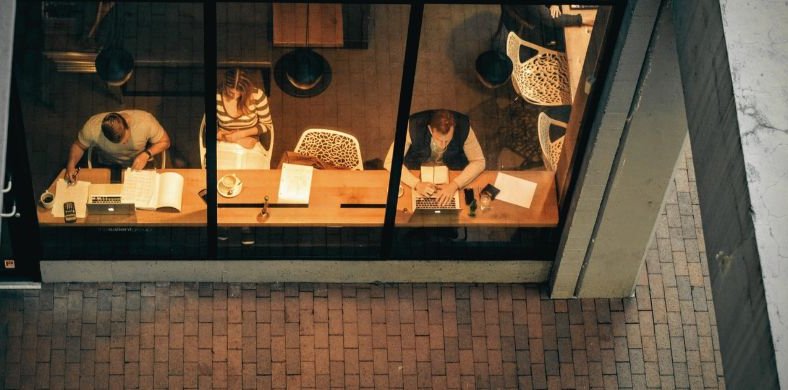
(432, 203)
(105, 199)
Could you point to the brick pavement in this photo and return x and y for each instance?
(244, 336)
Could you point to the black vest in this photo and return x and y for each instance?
(419, 151)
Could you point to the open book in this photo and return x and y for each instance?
(435, 174)
(149, 190)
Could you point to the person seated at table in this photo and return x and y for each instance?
(242, 111)
(440, 137)
(540, 24)
(122, 139)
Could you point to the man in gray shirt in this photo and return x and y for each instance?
(124, 139)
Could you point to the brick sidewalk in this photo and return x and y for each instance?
(175, 335)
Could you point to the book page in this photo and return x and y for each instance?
(140, 188)
(295, 183)
(426, 173)
(436, 174)
(441, 174)
(515, 190)
(170, 191)
(77, 193)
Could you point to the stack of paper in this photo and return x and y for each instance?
(295, 183)
(77, 193)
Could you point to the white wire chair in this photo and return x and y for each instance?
(334, 147)
(551, 150)
(542, 79)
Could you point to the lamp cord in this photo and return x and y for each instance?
(306, 43)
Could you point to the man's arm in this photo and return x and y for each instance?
(153, 149)
(476, 161)
(74, 155)
(407, 177)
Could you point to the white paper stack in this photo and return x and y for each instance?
(295, 183)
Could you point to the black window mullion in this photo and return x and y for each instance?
(403, 112)
(209, 53)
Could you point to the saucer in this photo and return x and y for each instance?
(229, 192)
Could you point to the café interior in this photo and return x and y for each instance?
(341, 82)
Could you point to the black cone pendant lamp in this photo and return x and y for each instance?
(494, 67)
(303, 72)
(114, 64)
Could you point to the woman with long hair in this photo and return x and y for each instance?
(242, 111)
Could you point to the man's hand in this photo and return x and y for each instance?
(140, 161)
(555, 11)
(446, 192)
(426, 189)
(71, 175)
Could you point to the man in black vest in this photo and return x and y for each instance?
(440, 137)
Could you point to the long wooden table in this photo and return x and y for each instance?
(337, 198)
(577, 38)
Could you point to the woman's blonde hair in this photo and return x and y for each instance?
(237, 79)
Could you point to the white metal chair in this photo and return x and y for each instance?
(234, 156)
(542, 79)
(551, 150)
(332, 146)
(162, 154)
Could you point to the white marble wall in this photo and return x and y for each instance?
(756, 34)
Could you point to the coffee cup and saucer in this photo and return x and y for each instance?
(229, 186)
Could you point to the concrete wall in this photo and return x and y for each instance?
(732, 56)
(606, 131)
(297, 271)
(645, 161)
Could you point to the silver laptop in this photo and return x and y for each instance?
(427, 211)
(105, 199)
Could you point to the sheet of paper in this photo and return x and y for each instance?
(170, 190)
(515, 190)
(77, 193)
(140, 188)
(295, 183)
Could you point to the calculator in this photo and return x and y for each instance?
(69, 212)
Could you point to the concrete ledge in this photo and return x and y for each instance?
(296, 271)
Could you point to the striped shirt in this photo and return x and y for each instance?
(259, 115)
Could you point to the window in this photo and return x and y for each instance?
(289, 124)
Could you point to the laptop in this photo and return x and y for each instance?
(105, 200)
(427, 211)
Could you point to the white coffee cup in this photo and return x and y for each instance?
(47, 199)
(230, 185)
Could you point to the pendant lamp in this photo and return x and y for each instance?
(494, 67)
(114, 64)
(303, 72)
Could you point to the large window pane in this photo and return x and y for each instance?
(331, 74)
(66, 95)
(494, 99)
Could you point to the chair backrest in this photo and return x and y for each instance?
(542, 79)
(163, 158)
(551, 150)
(332, 146)
(233, 156)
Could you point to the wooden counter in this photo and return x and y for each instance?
(577, 38)
(337, 198)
